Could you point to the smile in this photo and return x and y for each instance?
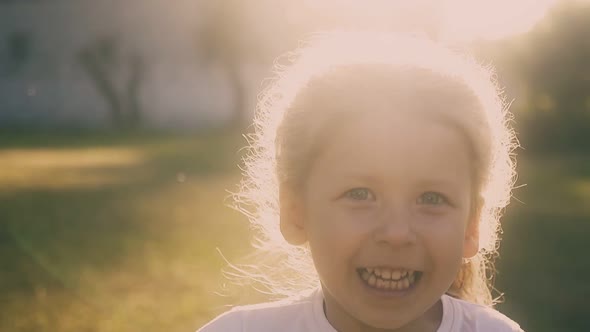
(389, 279)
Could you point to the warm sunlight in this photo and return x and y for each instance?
(73, 168)
(452, 20)
(484, 19)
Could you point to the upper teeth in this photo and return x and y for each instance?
(390, 274)
(388, 279)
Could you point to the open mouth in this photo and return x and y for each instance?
(389, 279)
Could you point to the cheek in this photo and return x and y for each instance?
(442, 238)
(336, 237)
(332, 222)
(331, 230)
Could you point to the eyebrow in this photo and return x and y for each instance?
(368, 178)
(421, 183)
(439, 183)
(357, 176)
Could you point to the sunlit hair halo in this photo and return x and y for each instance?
(286, 270)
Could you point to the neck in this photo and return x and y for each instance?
(343, 322)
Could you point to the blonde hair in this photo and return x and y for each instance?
(286, 129)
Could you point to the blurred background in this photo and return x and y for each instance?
(120, 136)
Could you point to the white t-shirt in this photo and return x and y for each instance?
(307, 314)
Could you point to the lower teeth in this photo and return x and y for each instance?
(373, 281)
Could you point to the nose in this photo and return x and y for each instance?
(395, 228)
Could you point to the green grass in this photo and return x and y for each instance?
(112, 232)
(115, 236)
(542, 267)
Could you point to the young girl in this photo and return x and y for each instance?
(377, 173)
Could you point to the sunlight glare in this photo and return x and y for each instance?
(450, 20)
(484, 19)
(72, 168)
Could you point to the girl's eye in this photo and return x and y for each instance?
(360, 194)
(431, 198)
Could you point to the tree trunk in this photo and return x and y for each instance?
(240, 114)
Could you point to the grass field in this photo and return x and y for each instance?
(120, 233)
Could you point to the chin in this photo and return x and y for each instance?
(385, 320)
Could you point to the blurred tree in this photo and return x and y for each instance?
(227, 40)
(117, 77)
(16, 52)
(558, 74)
(548, 72)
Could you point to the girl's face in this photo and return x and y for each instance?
(386, 209)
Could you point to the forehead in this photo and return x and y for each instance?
(366, 111)
(364, 89)
(355, 88)
(396, 145)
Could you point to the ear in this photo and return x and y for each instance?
(471, 241)
(292, 217)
